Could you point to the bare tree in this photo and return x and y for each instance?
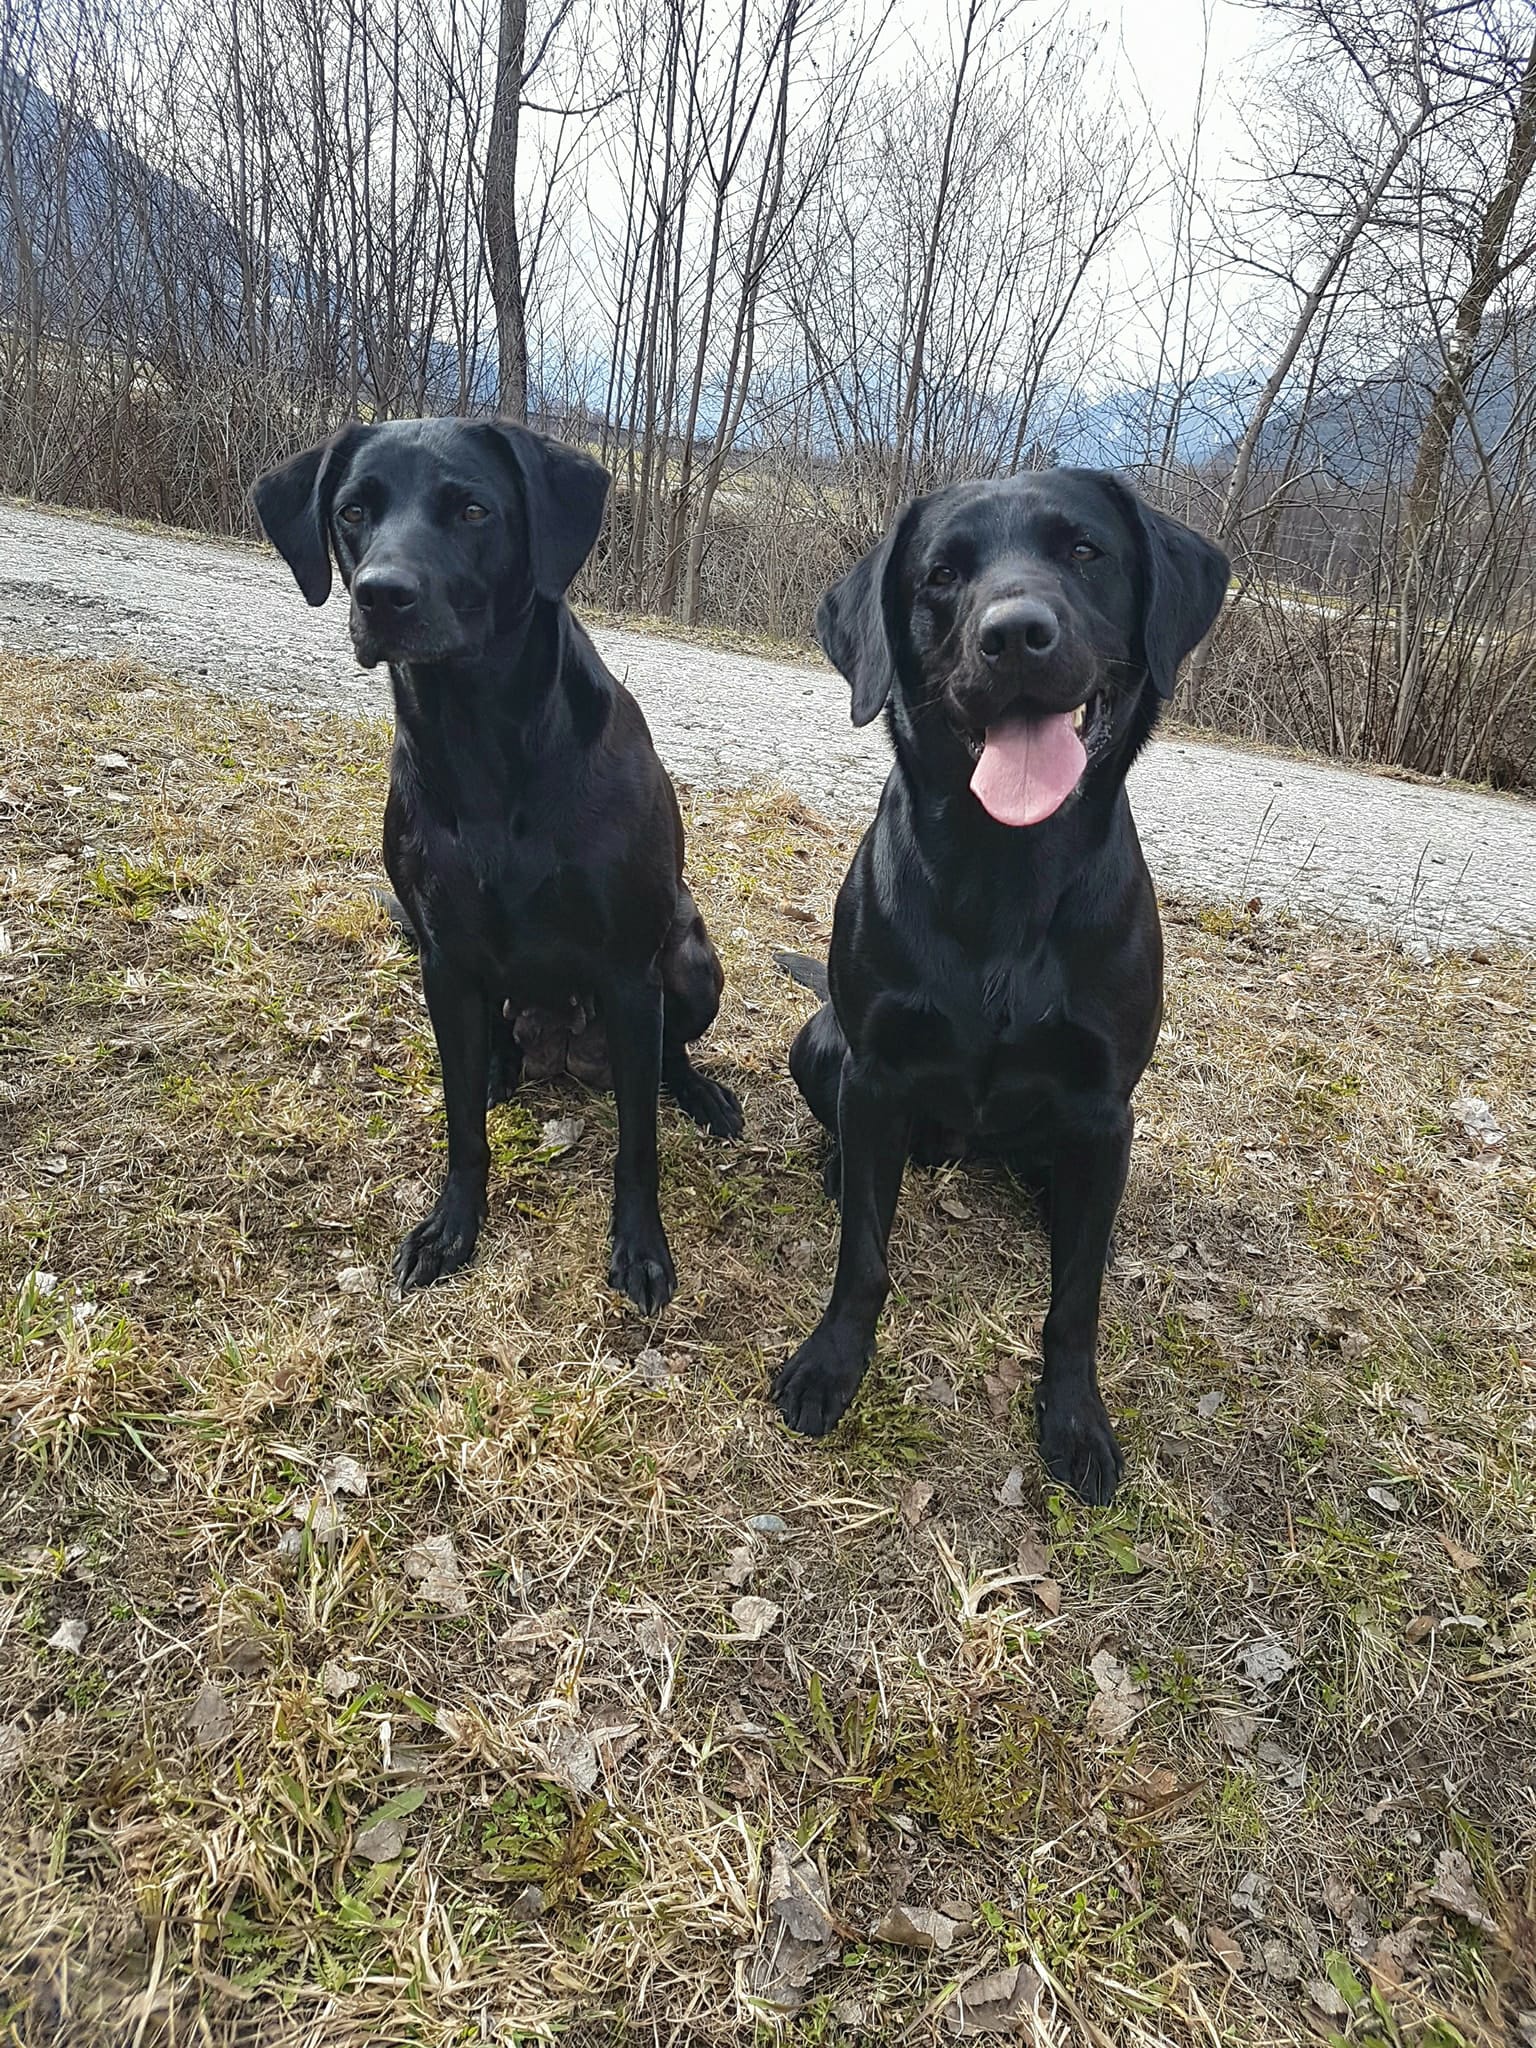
(1492, 262)
(1358, 76)
(503, 258)
(781, 268)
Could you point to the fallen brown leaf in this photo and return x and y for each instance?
(1001, 2002)
(209, 1719)
(739, 1566)
(1225, 1948)
(1234, 1730)
(916, 1927)
(344, 1475)
(1455, 1889)
(1113, 1713)
(913, 1501)
(1011, 1493)
(797, 1935)
(1002, 1382)
(435, 1564)
(336, 1681)
(381, 1842)
(1393, 1958)
(1147, 1790)
(1464, 1560)
(754, 1616)
(1034, 1559)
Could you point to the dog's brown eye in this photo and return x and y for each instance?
(351, 515)
(474, 513)
(941, 573)
(1085, 551)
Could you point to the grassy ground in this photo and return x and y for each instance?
(375, 1673)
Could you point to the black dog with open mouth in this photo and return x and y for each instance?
(995, 980)
(532, 835)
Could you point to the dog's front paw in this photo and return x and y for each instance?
(710, 1103)
(641, 1267)
(813, 1389)
(442, 1242)
(1078, 1445)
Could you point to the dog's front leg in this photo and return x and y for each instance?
(873, 1127)
(1087, 1180)
(461, 1018)
(641, 1266)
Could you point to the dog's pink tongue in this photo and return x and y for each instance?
(1028, 768)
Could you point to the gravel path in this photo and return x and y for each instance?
(1437, 867)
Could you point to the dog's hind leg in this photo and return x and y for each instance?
(692, 978)
(815, 1386)
(816, 1065)
(398, 916)
(506, 1058)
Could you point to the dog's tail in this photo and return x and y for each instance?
(811, 974)
(394, 910)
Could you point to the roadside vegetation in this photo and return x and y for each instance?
(785, 265)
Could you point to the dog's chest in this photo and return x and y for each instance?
(1016, 1029)
(512, 905)
(989, 1048)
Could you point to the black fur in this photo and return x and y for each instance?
(811, 974)
(532, 835)
(996, 988)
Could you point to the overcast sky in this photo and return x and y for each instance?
(1154, 48)
(1162, 41)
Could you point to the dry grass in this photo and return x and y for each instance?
(221, 1112)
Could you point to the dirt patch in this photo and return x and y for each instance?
(493, 1667)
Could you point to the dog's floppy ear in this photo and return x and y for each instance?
(856, 622)
(1186, 579)
(564, 493)
(293, 503)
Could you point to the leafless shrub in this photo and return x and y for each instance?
(780, 270)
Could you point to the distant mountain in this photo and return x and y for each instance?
(97, 233)
(122, 256)
(1130, 427)
(1368, 431)
(1364, 432)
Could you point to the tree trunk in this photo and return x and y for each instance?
(901, 454)
(1417, 595)
(1487, 272)
(1230, 517)
(503, 259)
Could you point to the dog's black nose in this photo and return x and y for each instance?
(385, 593)
(1016, 627)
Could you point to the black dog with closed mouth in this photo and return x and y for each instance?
(531, 833)
(995, 976)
